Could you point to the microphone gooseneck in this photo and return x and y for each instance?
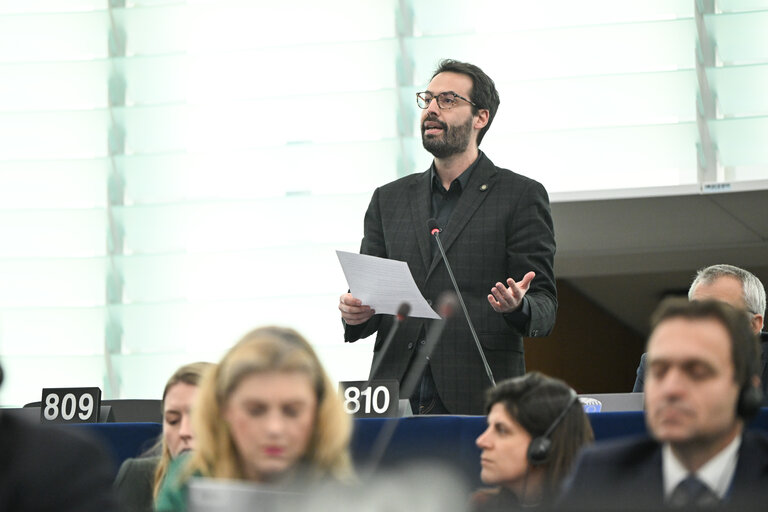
(402, 313)
(434, 230)
(446, 308)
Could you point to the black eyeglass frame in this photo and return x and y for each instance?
(427, 98)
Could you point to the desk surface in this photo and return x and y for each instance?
(443, 439)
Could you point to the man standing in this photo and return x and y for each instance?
(702, 383)
(498, 235)
(734, 286)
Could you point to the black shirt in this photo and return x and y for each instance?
(445, 201)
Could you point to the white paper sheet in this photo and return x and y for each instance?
(383, 284)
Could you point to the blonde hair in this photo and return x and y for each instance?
(268, 349)
(187, 374)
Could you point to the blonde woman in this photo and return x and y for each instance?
(268, 413)
(139, 479)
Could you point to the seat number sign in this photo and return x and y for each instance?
(374, 399)
(70, 405)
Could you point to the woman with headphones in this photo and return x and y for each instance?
(536, 427)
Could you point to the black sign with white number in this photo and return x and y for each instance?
(374, 399)
(70, 405)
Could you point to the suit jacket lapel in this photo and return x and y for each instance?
(421, 206)
(479, 185)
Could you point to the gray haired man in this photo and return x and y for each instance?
(737, 287)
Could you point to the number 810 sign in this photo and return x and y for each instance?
(70, 405)
(374, 399)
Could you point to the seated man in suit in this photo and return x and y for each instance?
(49, 469)
(739, 288)
(702, 384)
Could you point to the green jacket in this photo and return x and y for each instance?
(173, 492)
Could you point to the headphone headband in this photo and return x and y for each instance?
(538, 450)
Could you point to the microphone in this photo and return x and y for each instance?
(434, 230)
(402, 313)
(446, 307)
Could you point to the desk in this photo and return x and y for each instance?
(124, 440)
(445, 439)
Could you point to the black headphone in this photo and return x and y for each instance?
(538, 450)
(750, 400)
(750, 394)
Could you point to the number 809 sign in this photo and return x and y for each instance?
(70, 405)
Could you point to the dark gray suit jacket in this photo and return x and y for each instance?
(501, 227)
(626, 475)
(134, 484)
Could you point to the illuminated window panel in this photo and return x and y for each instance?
(205, 331)
(740, 5)
(144, 376)
(52, 135)
(608, 49)
(244, 225)
(54, 37)
(486, 16)
(53, 85)
(349, 117)
(51, 282)
(314, 168)
(152, 30)
(46, 233)
(740, 38)
(741, 147)
(49, 331)
(220, 26)
(26, 376)
(153, 80)
(153, 129)
(49, 6)
(53, 184)
(308, 69)
(209, 326)
(740, 90)
(258, 123)
(235, 275)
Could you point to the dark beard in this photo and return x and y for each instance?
(455, 139)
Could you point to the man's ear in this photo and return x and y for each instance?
(757, 323)
(482, 119)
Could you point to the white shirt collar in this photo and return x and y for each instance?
(717, 473)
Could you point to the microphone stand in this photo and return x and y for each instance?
(436, 233)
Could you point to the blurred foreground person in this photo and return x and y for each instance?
(536, 426)
(52, 469)
(139, 479)
(267, 414)
(701, 385)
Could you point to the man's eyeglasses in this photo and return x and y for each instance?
(445, 100)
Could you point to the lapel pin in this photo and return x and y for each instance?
(483, 187)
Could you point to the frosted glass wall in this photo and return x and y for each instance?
(175, 173)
